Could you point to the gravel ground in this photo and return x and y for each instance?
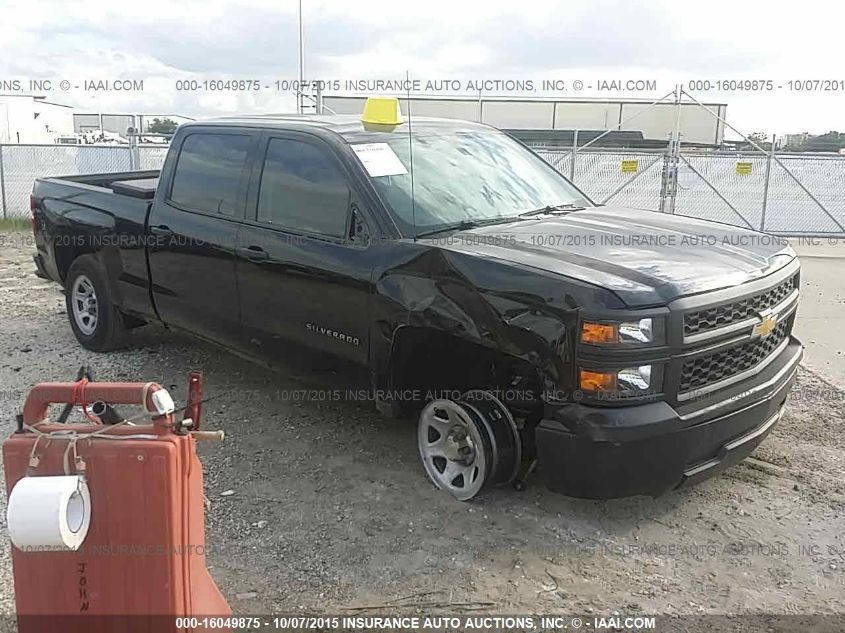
(331, 510)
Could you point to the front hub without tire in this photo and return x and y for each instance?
(504, 436)
(466, 443)
(452, 449)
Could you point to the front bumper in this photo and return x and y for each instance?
(603, 452)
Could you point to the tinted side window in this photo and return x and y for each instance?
(208, 172)
(302, 188)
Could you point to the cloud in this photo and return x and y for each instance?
(606, 36)
(165, 41)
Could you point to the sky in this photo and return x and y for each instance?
(170, 45)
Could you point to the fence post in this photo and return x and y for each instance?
(669, 179)
(134, 153)
(676, 151)
(664, 184)
(572, 157)
(766, 183)
(674, 165)
(2, 185)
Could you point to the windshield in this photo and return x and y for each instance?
(469, 176)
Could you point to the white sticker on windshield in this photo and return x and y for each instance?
(379, 159)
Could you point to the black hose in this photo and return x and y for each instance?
(107, 413)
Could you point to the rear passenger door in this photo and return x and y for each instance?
(193, 231)
(304, 260)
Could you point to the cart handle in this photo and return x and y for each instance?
(150, 395)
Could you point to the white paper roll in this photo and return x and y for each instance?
(49, 513)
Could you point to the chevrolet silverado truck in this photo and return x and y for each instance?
(619, 351)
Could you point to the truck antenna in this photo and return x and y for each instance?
(411, 155)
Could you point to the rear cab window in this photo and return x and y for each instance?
(209, 173)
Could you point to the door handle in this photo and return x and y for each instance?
(252, 253)
(161, 230)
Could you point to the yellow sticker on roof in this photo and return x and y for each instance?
(379, 159)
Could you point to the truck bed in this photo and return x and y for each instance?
(136, 184)
(97, 213)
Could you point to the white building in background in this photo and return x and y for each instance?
(33, 119)
(118, 123)
(793, 140)
(543, 117)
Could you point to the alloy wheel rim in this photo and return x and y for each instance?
(85, 305)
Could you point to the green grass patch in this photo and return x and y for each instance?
(15, 224)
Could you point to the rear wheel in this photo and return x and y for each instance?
(94, 319)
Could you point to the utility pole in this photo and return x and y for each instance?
(300, 100)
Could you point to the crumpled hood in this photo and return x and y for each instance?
(644, 257)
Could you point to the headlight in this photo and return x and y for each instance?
(631, 381)
(642, 331)
(634, 378)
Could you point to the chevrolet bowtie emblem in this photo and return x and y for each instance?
(766, 326)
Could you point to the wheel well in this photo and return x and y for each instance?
(429, 364)
(65, 256)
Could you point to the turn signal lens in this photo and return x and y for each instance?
(599, 332)
(640, 332)
(597, 381)
(623, 383)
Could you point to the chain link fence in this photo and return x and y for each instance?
(790, 194)
(710, 188)
(817, 203)
(609, 176)
(151, 157)
(20, 165)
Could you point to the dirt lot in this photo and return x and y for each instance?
(331, 508)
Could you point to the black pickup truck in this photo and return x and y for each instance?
(621, 351)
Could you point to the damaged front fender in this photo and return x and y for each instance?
(516, 312)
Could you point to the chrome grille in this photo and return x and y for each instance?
(727, 313)
(706, 370)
